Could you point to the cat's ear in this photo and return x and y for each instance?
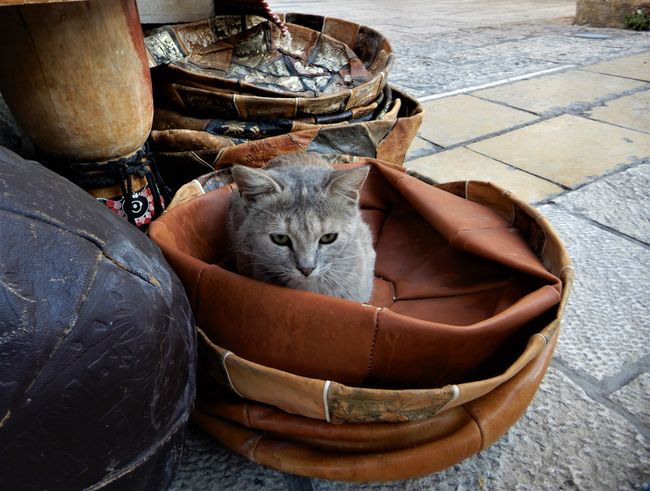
(348, 182)
(253, 183)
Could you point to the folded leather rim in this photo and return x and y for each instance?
(334, 402)
(281, 421)
(409, 449)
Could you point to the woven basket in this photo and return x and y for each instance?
(470, 286)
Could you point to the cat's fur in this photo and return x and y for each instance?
(300, 197)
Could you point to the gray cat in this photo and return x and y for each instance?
(297, 224)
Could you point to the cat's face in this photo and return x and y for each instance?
(298, 226)
(302, 248)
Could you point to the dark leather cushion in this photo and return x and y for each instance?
(97, 347)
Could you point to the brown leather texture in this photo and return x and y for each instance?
(232, 89)
(372, 452)
(470, 285)
(76, 77)
(242, 65)
(185, 150)
(453, 281)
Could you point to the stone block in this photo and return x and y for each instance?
(172, 11)
(634, 397)
(460, 118)
(461, 164)
(551, 93)
(419, 147)
(636, 67)
(607, 13)
(632, 111)
(619, 201)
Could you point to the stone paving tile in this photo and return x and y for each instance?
(568, 48)
(552, 92)
(635, 397)
(564, 441)
(568, 149)
(461, 164)
(620, 201)
(637, 67)
(464, 44)
(605, 327)
(419, 147)
(424, 75)
(423, 14)
(632, 111)
(460, 118)
(463, 58)
(206, 465)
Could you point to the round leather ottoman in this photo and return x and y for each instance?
(97, 346)
(470, 284)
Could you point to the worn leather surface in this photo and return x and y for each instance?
(97, 348)
(372, 452)
(470, 286)
(453, 281)
(324, 65)
(185, 149)
(75, 76)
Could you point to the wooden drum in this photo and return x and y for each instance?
(76, 77)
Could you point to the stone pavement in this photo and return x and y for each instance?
(560, 115)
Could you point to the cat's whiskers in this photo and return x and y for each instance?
(333, 278)
(251, 253)
(345, 258)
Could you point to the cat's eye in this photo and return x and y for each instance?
(328, 238)
(281, 239)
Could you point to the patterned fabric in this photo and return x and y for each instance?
(143, 209)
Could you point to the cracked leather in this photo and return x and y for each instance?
(97, 347)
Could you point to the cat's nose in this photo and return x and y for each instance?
(306, 271)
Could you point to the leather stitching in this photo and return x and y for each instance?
(372, 345)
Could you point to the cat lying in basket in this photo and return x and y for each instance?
(297, 223)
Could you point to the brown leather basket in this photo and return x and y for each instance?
(233, 89)
(185, 151)
(470, 286)
(245, 66)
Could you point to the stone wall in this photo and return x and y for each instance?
(607, 13)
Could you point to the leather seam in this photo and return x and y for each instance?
(478, 426)
(248, 415)
(372, 345)
(253, 450)
(385, 137)
(196, 293)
